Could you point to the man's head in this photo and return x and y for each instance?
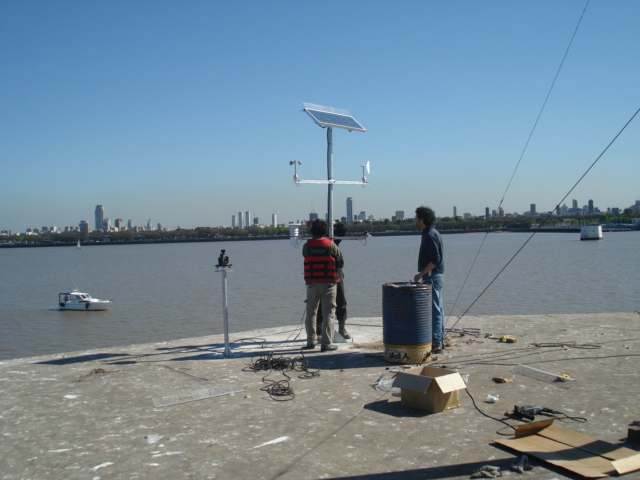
(426, 216)
(339, 230)
(318, 228)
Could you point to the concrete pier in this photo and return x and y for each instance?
(182, 410)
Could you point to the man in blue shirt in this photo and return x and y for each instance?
(431, 271)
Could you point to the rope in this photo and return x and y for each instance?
(535, 124)
(546, 219)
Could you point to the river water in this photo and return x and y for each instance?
(172, 291)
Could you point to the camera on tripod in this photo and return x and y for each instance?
(223, 260)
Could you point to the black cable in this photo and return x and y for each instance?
(298, 330)
(489, 416)
(546, 219)
(567, 417)
(544, 103)
(571, 344)
(514, 172)
(281, 390)
(257, 340)
(547, 412)
(555, 360)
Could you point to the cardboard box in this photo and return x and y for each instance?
(573, 451)
(429, 388)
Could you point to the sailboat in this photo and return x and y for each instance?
(78, 245)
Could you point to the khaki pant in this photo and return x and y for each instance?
(320, 293)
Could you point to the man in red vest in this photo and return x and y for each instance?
(322, 259)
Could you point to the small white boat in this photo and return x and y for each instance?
(591, 232)
(76, 300)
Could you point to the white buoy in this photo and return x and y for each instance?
(591, 232)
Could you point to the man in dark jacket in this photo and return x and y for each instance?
(431, 270)
(339, 230)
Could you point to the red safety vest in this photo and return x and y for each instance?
(319, 265)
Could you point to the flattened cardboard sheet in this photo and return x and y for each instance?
(573, 451)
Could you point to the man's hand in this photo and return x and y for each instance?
(417, 277)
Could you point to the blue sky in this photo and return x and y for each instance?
(188, 112)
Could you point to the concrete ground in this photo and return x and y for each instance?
(113, 413)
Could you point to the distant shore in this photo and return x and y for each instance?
(258, 238)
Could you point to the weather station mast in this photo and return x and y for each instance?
(330, 118)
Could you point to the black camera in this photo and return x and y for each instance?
(223, 260)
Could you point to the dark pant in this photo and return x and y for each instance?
(341, 303)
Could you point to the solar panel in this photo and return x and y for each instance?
(329, 117)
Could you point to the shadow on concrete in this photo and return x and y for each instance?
(452, 471)
(535, 462)
(461, 470)
(252, 350)
(395, 409)
(347, 360)
(322, 361)
(82, 358)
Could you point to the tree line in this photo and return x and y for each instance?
(382, 227)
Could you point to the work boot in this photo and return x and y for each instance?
(342, 330)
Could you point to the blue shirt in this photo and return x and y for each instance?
(431, 250)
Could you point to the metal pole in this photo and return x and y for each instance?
(330, 178)
(225, 314)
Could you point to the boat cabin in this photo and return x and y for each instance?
(73, 297)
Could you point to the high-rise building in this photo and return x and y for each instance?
(486, 213)
(400, 214)
(99, 217)
(362, 216)
(239, 219)
(274, 220)
(532, 210)
(84, 226)
(313, 216)
(350, 209)
(130, 224)
(455, 212)
(247, 219)
(119, 224)
(591, 210)
(575, 203)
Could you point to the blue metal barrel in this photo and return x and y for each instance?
(406, 322)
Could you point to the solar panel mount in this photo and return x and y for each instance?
(328, 117)
(332, 117)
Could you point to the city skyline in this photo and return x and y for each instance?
(100, 215)
(464, 103)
